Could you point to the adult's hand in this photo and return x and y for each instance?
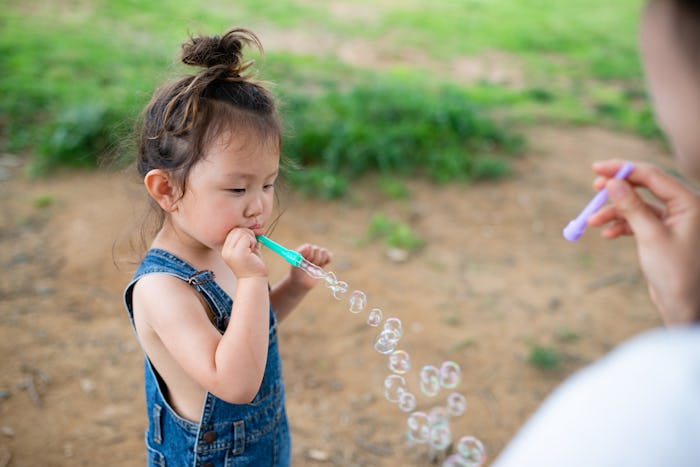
(666, 229)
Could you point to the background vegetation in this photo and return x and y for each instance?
(74, 75)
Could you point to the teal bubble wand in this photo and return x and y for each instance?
(297, 260)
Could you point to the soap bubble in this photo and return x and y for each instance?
(430, 388)
(440, 436)
(456, 404)
(394, 386)
(400, 362)
(384, 344)
(455, 460)
(407, 401)
(375, 317)
(391, 336)
(357, 301)
(315, 271)
(327, 276)
(418, 427)
(450, 375)
(471, 450)
(339, 289)
(393, 327)
(439, 416)
(429, 380)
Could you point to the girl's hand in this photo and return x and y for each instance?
(241, 252)
(666, 229)
(314, 254)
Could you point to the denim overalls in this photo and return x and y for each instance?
(254, 434)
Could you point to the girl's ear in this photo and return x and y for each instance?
(162, 190)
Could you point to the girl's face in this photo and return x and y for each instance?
(232, 186)
(674, 83)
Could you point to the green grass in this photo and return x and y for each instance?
(395, 234)
(74, 75)
(567, 335)
(464, 343)
(44, 201)
(399, 127)
(393, 188)
(544, 358)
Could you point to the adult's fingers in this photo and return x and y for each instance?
(659, 183)
(609, 213)
(643, 221)
(617, 229)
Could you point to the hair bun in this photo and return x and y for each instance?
(224, 51)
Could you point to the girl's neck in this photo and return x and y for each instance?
(197, 255)
(186, 248)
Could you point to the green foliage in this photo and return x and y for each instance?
(77, 137)
(454, 319)
(393, 188)
(464, 343)
(380, 225)
(544, 358)
(403, 237)
(318, 182)
(75, 75)
(568, 335)
(70, 90)
(44, 201)
(395, 234)
(396, 126)
(490, 168)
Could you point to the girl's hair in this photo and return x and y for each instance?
(185, 116)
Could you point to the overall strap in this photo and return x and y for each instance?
(163, 262)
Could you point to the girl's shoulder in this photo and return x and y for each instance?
(163, 295)
(162, 279)
(165, 285)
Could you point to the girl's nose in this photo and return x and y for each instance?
(254, 207)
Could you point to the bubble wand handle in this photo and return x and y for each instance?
(292, 257)
(297, 260)
(575, 228)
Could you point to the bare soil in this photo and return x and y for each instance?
(494, 280)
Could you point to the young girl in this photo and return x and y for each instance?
(200, 303)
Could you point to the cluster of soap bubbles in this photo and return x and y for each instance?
(433, 379)
(396, 391)
(432, 427)
(339, 288)
(470, 453)
(388, 339)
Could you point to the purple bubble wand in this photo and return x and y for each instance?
(575, 228)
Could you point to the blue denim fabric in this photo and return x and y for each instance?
(255, 434)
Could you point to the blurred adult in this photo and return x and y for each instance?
(640, 405)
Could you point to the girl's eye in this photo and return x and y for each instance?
(271, 186)
(238, 191)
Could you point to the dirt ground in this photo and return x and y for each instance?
(494, 280)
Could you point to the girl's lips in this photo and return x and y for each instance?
(257, 229)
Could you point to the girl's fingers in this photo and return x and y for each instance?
(315, 254)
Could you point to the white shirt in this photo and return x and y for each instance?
(639, 406)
